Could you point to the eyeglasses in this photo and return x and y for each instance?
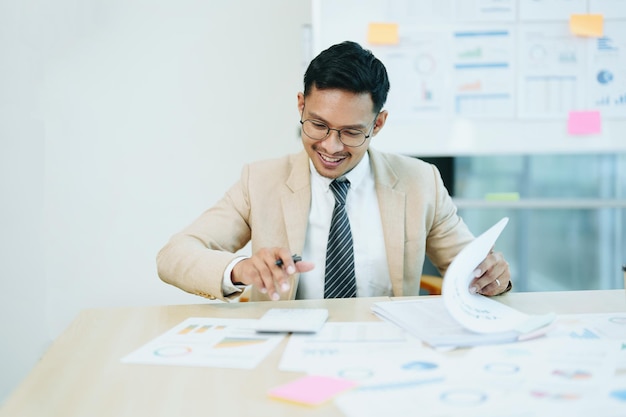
(317, 130)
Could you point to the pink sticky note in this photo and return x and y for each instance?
(311, 390)
(584, 122)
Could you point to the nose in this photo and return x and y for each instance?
(332, 143)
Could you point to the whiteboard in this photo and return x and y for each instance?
(475, 77)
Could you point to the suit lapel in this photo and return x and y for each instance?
(392, 212)
(296, 205)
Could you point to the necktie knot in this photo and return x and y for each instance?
(340, 190)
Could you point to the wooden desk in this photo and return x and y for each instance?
(81, 374)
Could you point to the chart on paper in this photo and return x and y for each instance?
(224, 343)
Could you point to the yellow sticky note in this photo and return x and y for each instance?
(383, 33)
(587, 24)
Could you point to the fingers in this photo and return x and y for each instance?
(492, 276)
(269, 270)
(304, 266)
(269, 277)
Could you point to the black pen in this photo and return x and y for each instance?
(296, 258)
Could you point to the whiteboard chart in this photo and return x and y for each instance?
(491, 76)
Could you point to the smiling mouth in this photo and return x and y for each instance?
(331, 160)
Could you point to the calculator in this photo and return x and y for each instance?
(292, 320)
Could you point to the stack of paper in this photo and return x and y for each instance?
(460, 318)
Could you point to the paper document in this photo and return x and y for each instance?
(296, 320)
(460, 318)
(202, 341)
(341, 342)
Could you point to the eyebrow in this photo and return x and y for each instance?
(321, 119)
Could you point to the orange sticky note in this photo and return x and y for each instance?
(584, 122)
(311, 390)
(587, 24)
(383, 33)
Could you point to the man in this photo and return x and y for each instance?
(397, 208)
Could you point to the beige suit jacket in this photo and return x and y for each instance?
(269, 206)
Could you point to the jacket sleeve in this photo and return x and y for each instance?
(195, 258)
(449, 234)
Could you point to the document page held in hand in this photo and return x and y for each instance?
(458, 317)
(476, 312)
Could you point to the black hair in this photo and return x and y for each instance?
(347, 66)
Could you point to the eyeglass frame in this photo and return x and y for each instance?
(328, 129)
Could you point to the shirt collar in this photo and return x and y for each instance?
(356, 175)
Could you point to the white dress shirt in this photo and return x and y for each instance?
(370, 259)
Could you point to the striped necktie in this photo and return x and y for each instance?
(340, 281)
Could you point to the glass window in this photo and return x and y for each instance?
(567, 228)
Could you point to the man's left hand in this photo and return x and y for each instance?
(492, 276)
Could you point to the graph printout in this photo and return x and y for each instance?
(342, 342)
(551, 77)
(606, 78)
(420, 66)
(538, 378)
(483, 74)
(221, 343)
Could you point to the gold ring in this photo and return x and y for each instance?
(498, 282)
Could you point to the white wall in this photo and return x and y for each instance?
(22, 285)
(120, 121)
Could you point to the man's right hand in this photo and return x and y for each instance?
(262, 271)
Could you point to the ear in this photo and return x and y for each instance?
(380, 122)
(300, 103)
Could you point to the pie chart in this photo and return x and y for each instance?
(605, 77)
(419, 366)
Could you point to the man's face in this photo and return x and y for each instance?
(338, 109)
